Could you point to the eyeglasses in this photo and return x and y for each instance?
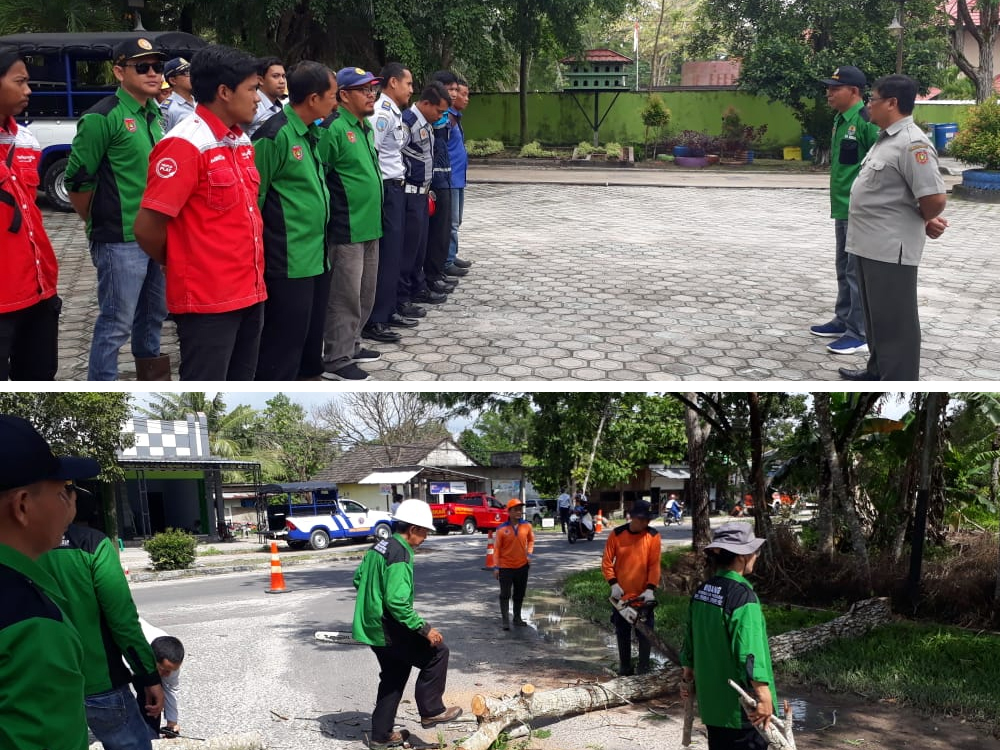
(880, 98)
(368, 91)
(144, 67)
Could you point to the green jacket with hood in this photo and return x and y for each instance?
(99, 602)
(384, 606)
(41, 661)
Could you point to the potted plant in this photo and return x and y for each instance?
(738, 141)
(656, 116)
(691, 148)
(978, 144)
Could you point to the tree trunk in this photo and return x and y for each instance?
(697, 431)
(605, 416)
(994, 482)
(523, 93)
(497, 714)
(654, 60)
(757, 465)
(824, 424)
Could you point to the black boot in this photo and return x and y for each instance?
(517, 614)
(643, 665)
(625, 656)
(504, 604)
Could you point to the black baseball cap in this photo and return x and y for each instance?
(846, 75)
(137, 47)
(27, 457)
(176, 67)
(641, 509)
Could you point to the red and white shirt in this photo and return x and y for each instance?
(202, 175)
(28, 268)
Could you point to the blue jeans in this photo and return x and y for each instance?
(848, 309)
(131, 295)
(115, 720)
(457, 209)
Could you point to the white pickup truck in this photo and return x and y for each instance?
(348, 520)
(69, 72)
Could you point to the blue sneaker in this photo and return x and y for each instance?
(829, 330)
(848, 345)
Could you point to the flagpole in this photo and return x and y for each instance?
(635, 50)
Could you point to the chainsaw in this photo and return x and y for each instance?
(341, 638)
(170, 734)
(633, 616)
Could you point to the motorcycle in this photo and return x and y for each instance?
(673, 517)
(580, 526)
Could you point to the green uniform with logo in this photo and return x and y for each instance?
(853, 135)
(110, 157)
(347, 148)
(384, 581)
(294, 199)
(725, 627)
(99, 602)
(41, 661)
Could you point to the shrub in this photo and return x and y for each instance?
(487, 147)
(654, 114)
(614, 150)
(534, 150)
(584, 147)
(736, 136)
(978, 142)
(171, 550)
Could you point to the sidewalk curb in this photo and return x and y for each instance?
(215, 570)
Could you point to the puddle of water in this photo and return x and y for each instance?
(580, 640)
(808, 717)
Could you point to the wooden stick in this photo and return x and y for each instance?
(775, 730)
(688, 714)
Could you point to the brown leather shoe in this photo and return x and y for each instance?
(450, 714)
(396, 740)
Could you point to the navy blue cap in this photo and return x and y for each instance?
(176, 67)
(28, 458)
(846, 75)
(352, 78)
(641, 509)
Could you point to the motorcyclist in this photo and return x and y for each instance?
(674, 508)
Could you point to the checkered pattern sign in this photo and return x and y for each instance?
(156, 438)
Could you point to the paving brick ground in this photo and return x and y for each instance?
(628, 279)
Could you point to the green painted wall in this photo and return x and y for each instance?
(555, 120)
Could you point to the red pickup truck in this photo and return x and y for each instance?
(472, 512)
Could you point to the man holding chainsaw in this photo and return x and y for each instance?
(727, 640)
(631, 565)
(515, 545)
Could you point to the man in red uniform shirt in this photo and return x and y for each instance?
(29, 307)
(199, 217)
(631, 565)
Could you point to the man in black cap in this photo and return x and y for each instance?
(853, 135)
(180, 104)
(631, 566)
(106, 176)
(42, 669)
(727, 640)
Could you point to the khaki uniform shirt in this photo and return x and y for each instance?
(885, 222)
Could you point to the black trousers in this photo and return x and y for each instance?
(390, 253)
(220, 346)
(411, 266)
(29, 341)
(892, 322)
(623, 632)
(291, 341)
(438, 236)
(513, 581)
(395, 662)
(744, 738)
(564, 518)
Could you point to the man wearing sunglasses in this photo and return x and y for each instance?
(106, 177)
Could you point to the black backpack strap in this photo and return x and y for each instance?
(9, 200)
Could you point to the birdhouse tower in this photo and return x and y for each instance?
(597, 70)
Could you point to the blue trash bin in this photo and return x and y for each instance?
(943, 133)
(808, 148)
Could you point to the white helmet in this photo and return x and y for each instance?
(416, 513)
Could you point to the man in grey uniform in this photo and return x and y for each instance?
(896, 203)
(180, 104)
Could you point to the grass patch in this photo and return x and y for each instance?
(937, 669)
(209, 551)
(587, 593)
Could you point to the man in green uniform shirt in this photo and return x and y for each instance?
(106, 177)
(41, 656)
(355, 181)
(384, 618)
(853, 135)
(295, 204)
(727, 640)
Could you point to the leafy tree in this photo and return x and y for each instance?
(296, 446)
(507, 428)
(786, 47)
(983, 27)
(23, 16)
(85, 424)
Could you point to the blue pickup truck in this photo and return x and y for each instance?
(321, 516)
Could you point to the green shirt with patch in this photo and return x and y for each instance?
(384, 581)
(110, 158)
(347, 148)
(725, 633)
(294, 199)
(853, 135)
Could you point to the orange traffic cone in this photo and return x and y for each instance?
(277, 577)
(489, 552)
(600, 522)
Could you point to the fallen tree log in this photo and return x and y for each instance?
(247, 741)
(497, 714)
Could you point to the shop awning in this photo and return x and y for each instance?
(397, 476)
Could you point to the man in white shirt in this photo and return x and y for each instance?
(272, 89)
(563, 504)
(169, 654)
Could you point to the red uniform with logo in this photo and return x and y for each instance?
(203, 176)
(28, 268)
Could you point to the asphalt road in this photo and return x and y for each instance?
(253, 663)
